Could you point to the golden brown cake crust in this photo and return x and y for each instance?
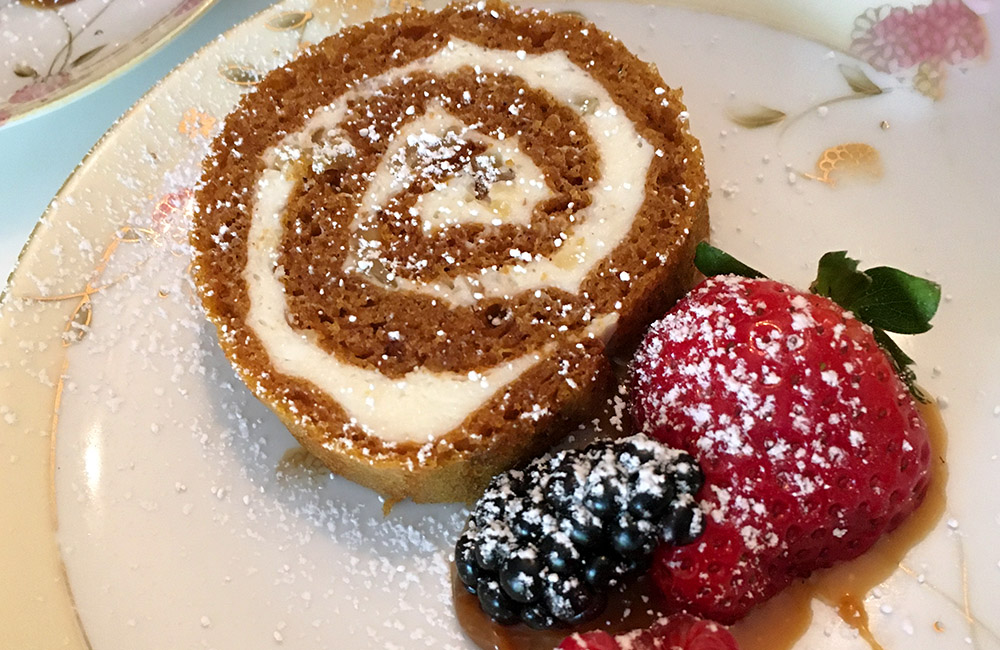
(351, 318)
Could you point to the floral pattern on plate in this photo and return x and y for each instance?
(921, 42)
(76, 285)
(51, 49)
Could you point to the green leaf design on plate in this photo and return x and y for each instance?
(287, 20)
(86, 56)
(897, 301)
(859, 81)
(129, 235)
(757, 117)
(25, 70)
(240, 74)
(79, 322)
(714, 261)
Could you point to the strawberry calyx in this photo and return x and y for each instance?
(883, 298)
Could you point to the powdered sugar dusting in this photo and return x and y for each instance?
(800, 422)
(236, 512)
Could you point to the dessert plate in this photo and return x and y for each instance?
(146, 495)
(52, 50)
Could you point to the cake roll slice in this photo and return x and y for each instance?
(421, 240)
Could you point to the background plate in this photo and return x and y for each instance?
(52, 50)
(186, 512)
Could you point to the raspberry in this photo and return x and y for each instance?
(595, 640)
(679, 632)
(544, 544)
(811, 446)
(685, 632)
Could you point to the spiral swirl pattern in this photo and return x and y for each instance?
(398, 227)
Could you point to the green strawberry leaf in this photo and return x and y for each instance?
(900, 358)
(897, 301)
(902, 362)
(884, 298)
(713, 261)
(839, 279)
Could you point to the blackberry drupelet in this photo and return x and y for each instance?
(545, 544)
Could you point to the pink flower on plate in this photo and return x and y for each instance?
(893, 38)
(169, 210)
(39, 88)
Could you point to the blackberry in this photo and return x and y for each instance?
(544, 544)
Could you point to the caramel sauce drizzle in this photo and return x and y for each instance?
(634, 606)
(775, 625)
(852, 611)
(779, 623)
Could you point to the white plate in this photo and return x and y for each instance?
(186, 517)
(51, 50)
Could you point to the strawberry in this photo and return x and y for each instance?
(811, 444)
(679, 632)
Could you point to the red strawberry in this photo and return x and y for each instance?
(679, 632)
(810, 444)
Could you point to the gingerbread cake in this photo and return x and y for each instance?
(420, 240)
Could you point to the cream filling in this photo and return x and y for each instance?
(454, 201)
(425, 405)
(421, 406)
